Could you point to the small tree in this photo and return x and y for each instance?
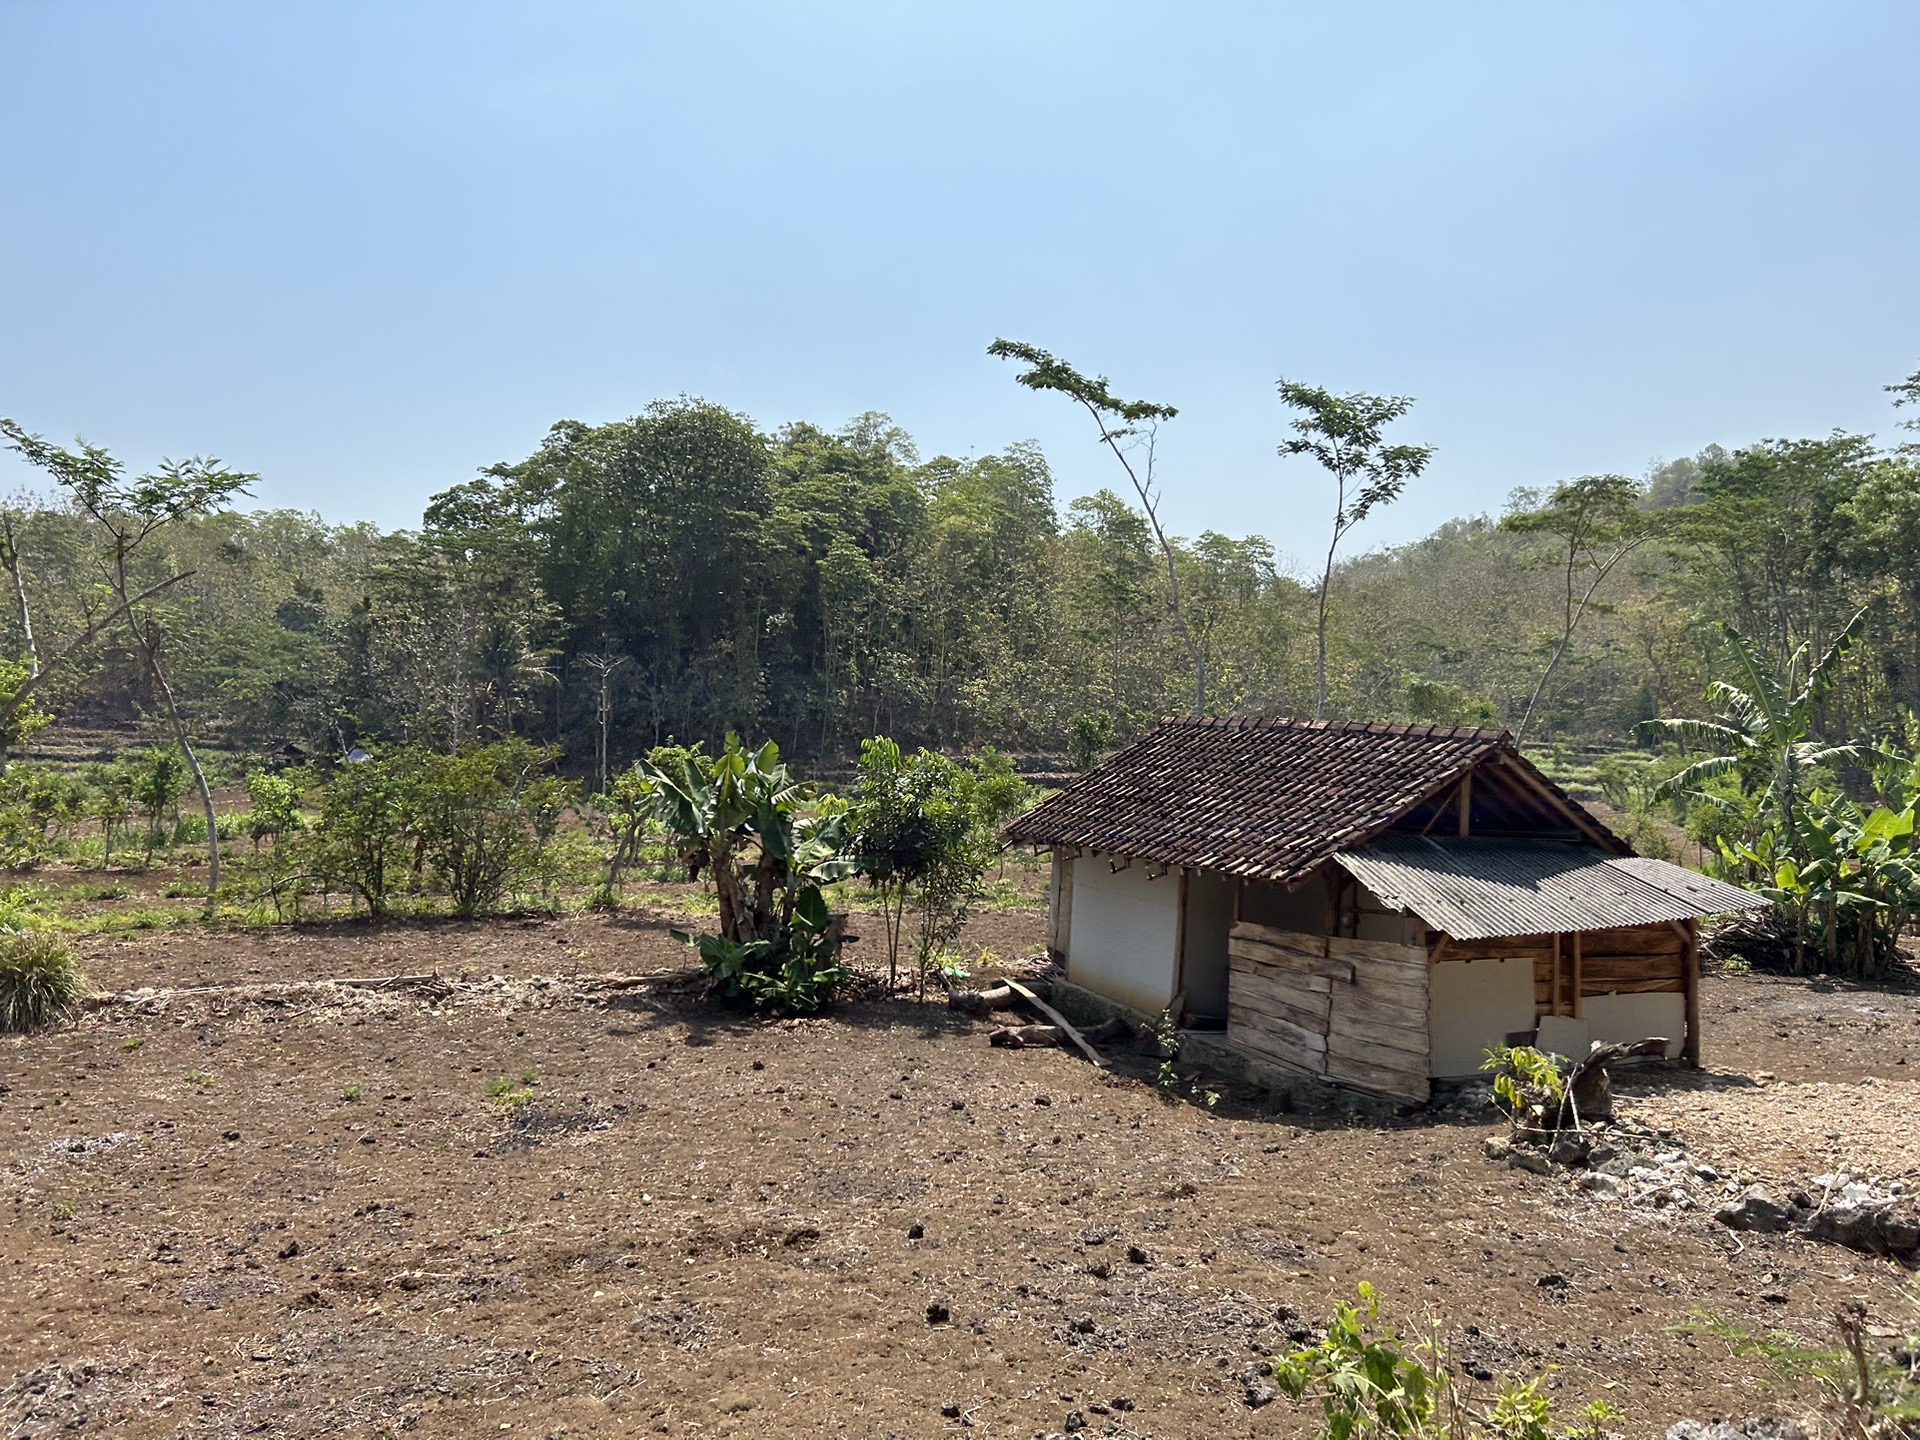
(158, 784)
(111, 795)
(484, 817)
(1344, 433)
(627, 805)
(366, 822)
(923, 834)
(274, 800)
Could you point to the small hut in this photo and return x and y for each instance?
(1373, 905)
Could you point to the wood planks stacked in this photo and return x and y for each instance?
(1632, 961)
(1351, 1011)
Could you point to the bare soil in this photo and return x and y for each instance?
(294, 1209)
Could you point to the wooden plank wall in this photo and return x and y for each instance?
(1632, 961)
(1351, 1011)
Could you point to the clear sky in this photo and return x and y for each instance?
(366, 249)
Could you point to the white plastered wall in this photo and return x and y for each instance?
(1474, 1004)
(1123, 932)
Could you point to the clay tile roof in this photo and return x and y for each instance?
(1266, 799)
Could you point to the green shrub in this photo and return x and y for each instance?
(1372, 1385)
(40, 980)
(486, 819)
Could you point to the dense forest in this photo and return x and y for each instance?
(683, 573)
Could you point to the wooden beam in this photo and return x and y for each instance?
(1690, 1049)
(1514, 768)
(1464, 800)
(1057, 1018)
(1579, 976)
(1180, 937)
(1123, 863)
(1553, 986)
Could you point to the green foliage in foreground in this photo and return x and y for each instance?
(767, 843)
(1372, 1385)
(40, 980)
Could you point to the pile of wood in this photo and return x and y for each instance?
(1758, 939)
(1008, 993)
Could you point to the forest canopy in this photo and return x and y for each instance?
(683, 573)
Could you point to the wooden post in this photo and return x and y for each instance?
(1690, 1049)
(1465, 794)
(1553, 991)
(1579, 980)
(1180, 944)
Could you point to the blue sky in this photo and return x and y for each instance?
(366, 249)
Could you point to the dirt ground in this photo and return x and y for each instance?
(296, 1210)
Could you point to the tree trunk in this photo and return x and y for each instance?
(150, 651)
(1320, 630)
(20, 593)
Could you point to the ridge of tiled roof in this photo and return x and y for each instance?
(1265, 798)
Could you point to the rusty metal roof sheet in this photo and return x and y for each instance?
(1273, 799)
(1481, 889)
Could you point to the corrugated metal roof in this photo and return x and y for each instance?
(1482, 889)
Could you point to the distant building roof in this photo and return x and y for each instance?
(1482, 889)
(1275, 799)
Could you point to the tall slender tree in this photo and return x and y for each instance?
(1596, 522)
(129, 514)
(1125, 426)
(1344, 433)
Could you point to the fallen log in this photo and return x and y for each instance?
(1108, 1031)
(260, 989)
(1024, 1037)
(979, 1002)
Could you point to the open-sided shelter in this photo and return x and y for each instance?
(1374, 905)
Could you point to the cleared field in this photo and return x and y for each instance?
(297, 1210)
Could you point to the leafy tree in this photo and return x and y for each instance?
(1882, 517)
(1345, 434)
(1126, 426)
(924, 832)
(1596, 522)
(274, 799)
(158, 783)
(131, 512)
(1769, 547)
(627, 805)
(366, 826)
(111, 788)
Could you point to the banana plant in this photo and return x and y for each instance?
(1763, 732)
(768, 843)
(1848, 876)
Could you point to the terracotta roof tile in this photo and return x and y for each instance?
(1268, 799)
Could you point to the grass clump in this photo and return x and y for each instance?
(40, 980)
(509, 1093)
